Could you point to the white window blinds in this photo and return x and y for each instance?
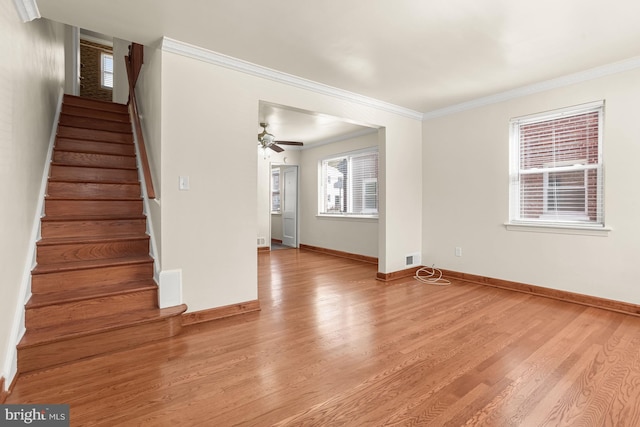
(107, 70)
(349, 184)
(275, 190)
(556, 167)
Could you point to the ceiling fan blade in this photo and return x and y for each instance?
(275, 148)
(298, 143)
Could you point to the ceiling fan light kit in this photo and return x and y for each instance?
(267, 140)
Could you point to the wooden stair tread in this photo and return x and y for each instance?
(66, 150)
(79, 181)
(94, 147)
(80, 101)
(91, 217)
(58, 163)
(69, 131)
(74, 138)
(101, 114)
(84, 199)
(89, 149)
(98, 325)
(59, 297)
(49, 241)
(66, 188)
(94, 135)
(89, 264)
(95, 123)
(97, 181)
(96, 129)
(92, 173)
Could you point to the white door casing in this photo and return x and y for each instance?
(289, 177)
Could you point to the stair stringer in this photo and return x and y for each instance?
(169, 282)
(10, 365)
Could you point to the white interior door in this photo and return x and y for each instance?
(289, 177)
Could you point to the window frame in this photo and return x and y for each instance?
(324, 196)
(556, 219)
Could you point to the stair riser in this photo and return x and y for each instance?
(91, 251)
(95, 147)
(88, 228)
(77, 311)
(92, 207)
(97, 114)
(93, 160)
(94, 135)
(94, 104)
(64, 351)
(75, 173)
(78, 279)
(93, 123)
(83, 190)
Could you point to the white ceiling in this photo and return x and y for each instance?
(310, 128)
(423, 55)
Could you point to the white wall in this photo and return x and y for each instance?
(466, 196)
(352, 235)
(31, 77)
(208, 134)
(209, 116)
(276, 226)
(120, 78)
(72, 60)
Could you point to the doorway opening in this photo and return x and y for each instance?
(96, 66)
(320, 137)
(284, 206)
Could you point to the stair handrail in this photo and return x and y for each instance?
(133, 62)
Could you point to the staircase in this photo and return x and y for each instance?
(92, 289)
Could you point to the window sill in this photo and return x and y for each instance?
(358, 217)
(559, 229)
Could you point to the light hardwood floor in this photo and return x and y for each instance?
(333, 346)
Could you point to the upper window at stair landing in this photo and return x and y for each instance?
(106, 60)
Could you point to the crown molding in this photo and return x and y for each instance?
(174, 46)
(27, 9)
(582, 76)
(185, 49)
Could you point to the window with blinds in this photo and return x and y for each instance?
(106, 61)
(556, 167)
(349, 184)
(275, 190)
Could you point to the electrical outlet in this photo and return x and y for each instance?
(458, 251)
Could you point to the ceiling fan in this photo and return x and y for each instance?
(267, 140)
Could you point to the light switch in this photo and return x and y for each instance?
(183, 183)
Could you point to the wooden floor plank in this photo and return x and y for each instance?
(334, 346)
